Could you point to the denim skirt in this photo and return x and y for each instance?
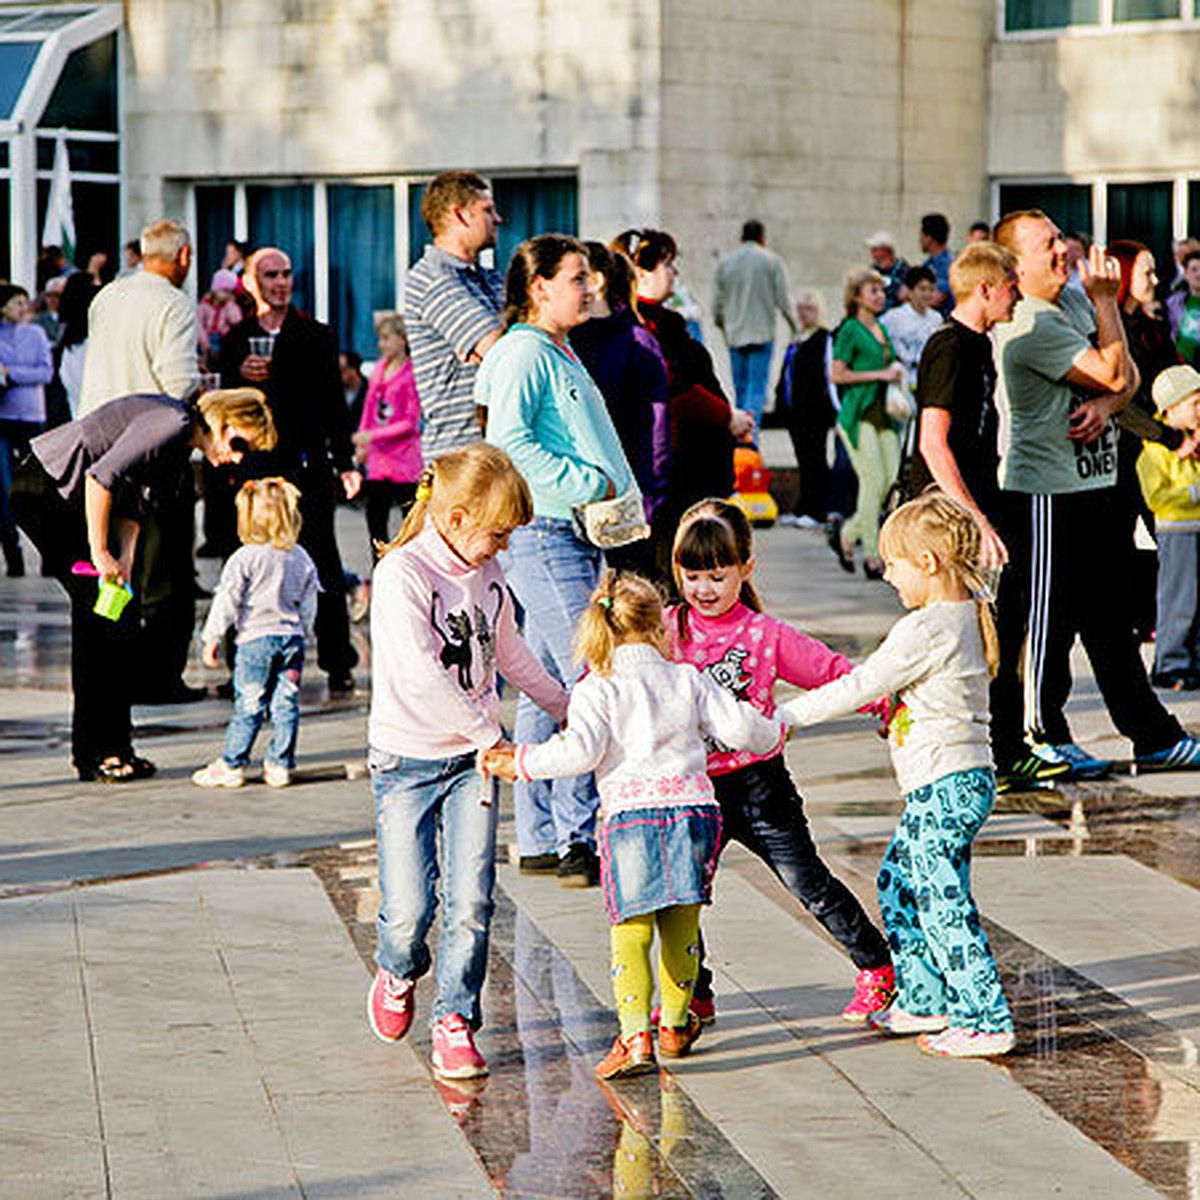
(652, 858)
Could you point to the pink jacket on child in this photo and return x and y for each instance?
(392, 412)
(746, 652)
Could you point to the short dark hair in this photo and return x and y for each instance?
(449, 190)
(1190, 257)
(936, 226)
(753, 231)
(915, 275)
(353, 358)
(135, 246)
(982, 227)
(1076, 235)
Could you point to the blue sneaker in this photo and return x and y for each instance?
(1079, 763)
(1183, 756)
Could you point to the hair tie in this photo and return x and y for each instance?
(425, 486)
(605, 602)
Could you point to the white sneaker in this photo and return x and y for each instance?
(957, 1042)
(218, 774)
(895, 1021)
(276, 775)
(790, 520)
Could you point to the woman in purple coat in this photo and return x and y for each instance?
(624, 359)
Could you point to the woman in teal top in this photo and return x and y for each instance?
(545, 411)
(864, 363)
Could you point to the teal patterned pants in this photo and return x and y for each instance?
(942, 958)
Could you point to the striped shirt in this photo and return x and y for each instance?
(449, 306)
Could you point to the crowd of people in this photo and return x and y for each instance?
(557, 450)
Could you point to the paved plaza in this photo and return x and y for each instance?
(183, 976)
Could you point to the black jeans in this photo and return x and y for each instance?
(101, 650)
(761, 808)
(382, 495)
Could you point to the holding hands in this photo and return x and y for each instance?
(499, 761)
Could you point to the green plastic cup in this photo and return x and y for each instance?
(111, 599)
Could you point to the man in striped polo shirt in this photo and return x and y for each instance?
(452, 308)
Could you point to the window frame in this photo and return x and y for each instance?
(1105, 25)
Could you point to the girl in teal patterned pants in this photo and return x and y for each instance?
(936, 663)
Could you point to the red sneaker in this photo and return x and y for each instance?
(873, 991)
(390, 1004)
(704, 1007)
(454, 1053)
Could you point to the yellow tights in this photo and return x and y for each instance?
(678, 960)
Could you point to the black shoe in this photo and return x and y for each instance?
(833, 535)
(1030, 774)
(341, 685)
(1174, 681)
(872, 572)
(579, 867)
(178, 694)
(538, 864)
(225, 690)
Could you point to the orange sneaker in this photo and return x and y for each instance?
(676, 1042)
(633, 1055)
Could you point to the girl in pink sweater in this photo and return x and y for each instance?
(441, 628)
(720, 628)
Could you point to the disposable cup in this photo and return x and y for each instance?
(262, 346)
(111, 599)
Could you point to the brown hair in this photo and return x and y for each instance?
(620, 282)
(536, 258)
(478, 478)
(446, 192)
(935, 523)
(712, 533)
(646, 248)
(855, 282)
(268, 512)
(624, 608)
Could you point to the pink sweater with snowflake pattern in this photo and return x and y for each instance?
(746, 652)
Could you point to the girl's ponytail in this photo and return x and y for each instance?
(624, 608)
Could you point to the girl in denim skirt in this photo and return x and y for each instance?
(441, 626)
(639, 722)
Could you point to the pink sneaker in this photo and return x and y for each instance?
(873, 991)
(895, 1021)
(454, 1053)
(390, 1004)
(957, 1042)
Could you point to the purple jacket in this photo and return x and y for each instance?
(625, 361)
(25, 355)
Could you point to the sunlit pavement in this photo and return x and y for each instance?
(184, 974)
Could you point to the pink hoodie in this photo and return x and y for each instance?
(746, 652)
(392, 412)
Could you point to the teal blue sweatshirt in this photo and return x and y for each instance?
(550, 418)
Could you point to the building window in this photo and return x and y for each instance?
(214, 229)
(1049, 14)
(1146, 10)
(282, 215)
(527, 205)
(362, 261)
(1068, 205)
(1142, 212)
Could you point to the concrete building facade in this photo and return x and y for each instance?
(314, 123)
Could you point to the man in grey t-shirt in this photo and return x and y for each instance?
(1061, 522)
(452, 309)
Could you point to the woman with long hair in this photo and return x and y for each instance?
(546, 412)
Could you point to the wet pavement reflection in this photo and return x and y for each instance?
(541, 1124)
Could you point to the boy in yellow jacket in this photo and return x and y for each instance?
(1171, 486)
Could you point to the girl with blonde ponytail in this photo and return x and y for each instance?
(936, 663)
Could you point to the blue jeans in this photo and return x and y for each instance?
(553, 574)
(943, 961)
(1177, 640)
(266, 678)
(751, 366)
(416, 800)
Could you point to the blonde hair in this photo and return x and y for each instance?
(624, 608)
(268, 512)
(246, 408)
(478, 478)
(391, 322)
(164, 239)
(811, 295)
(934, 523)
(980, 262)
(855, 282)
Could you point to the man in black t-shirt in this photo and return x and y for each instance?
(957, 444)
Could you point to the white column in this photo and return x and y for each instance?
(24, 234)
(400, 237)
(321, 253)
